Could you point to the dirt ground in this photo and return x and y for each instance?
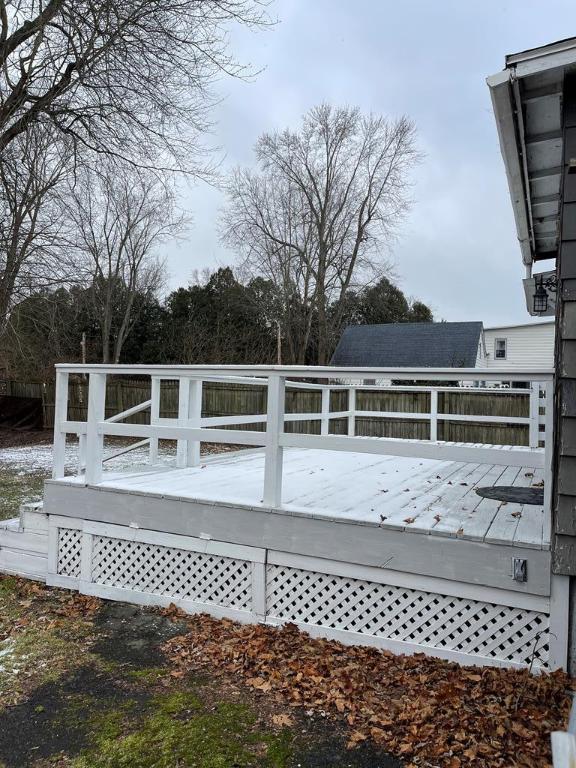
(11, 438)
(84, 683)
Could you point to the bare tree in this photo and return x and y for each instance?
(120, 218)
(120, 77)
(267, 221)
(82, 80)
(32, 172)
(315, 217)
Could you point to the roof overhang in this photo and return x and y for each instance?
(527, 102)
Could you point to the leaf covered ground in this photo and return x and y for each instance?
(426, 711)
(84, 684)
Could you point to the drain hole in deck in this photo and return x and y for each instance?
(513, 494)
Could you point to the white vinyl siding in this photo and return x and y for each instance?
(481, 361)
(527, 346)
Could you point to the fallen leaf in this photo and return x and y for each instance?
(356, 738)
(282, 721)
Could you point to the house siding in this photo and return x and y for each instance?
(527, 346)
(481, 359)
(564, 509)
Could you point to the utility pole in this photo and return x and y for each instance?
(278, 343)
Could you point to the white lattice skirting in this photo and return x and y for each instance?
(354, 604)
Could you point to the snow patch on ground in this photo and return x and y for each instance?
(37, 459)
(6, 650)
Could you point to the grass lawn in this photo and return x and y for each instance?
(84, 683)
(25, 462)
(16, 488)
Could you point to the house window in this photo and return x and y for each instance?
(500, 349)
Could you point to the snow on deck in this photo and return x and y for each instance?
(410, 494)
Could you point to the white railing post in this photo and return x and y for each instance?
(81, 453)
(195, 416)
(325, 420)
(154, 416)
(273, 451)
(60, 415)
(548, 455)
(352, 411)
(563, 749)
(534, 427)
(94, 436)
(433, 415)
(183, 401)
(189, 413)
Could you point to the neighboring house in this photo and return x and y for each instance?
(530, 345)
(447, 345)
(411, 345)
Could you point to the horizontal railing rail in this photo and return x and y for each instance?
(313, 372)
(190, 428)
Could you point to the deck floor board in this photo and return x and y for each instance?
(435, 497)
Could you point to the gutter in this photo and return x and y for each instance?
(505, 95)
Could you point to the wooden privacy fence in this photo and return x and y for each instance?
(234, 399)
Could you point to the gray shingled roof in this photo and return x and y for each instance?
(414, 345)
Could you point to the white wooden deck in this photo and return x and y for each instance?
(378, 540)
(397, 493)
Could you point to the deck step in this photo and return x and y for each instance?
(33, 519)
(13, 524)
(24, 543)
(16, 563)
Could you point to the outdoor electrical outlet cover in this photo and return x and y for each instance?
(519, 569)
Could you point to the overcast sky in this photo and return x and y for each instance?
(457, 250)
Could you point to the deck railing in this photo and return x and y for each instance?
(190, 428)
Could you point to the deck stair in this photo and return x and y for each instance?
(24, 543)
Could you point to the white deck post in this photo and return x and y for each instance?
(534, 428)
(194, 416)
(154, 416)
(563, 749)
(273, 451)
(183, 401)
(60, 415)
(81, 454)
(95, 438)
(433, 415)
(352, 411)
(548, 455)
(559, 622)
(325, 421)
(189, 413)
